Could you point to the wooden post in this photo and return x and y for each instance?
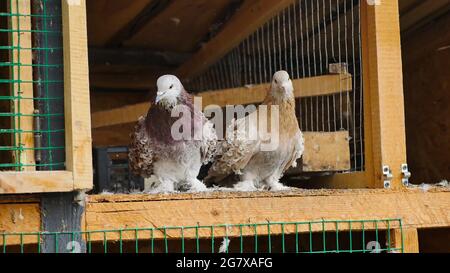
(22, 73)
(384, 125)
(76, 94)
(406, 239)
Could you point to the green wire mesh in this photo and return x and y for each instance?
(324, 236)
(31, 77)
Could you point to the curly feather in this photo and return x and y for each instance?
(140, 155)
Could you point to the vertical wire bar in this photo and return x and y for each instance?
(282, 238)
(353, 73)
(307, 39)
(152, 244)
(182, 240)
(56, 242)
(337, 236)
(275, 66)
(120, 242)
(268, 50)
(324, 237)
(136, 241)
(89, 242)
(242, 239)
(296, 239)
(301, 37)
(105, 243)
(361, 91)
(269, 238)
(4, 243)
(296, 41)
(310, 238)
(388, 235)
(212, 239)
(263, 44)
(291, 57)
(21, 243)
(258, 45)
(254, 59)
(227, 241)
(280, 57)
(166, 244)
(285, 41)
(256, 238)
(39, 242)
(351, 237)
(313, 39)
(363, 237)
(197, 240)
(376, 231)
(340, 61)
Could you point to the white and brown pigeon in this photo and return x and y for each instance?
(242, 160)
(155, 150)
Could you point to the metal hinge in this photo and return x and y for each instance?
(406, 175)
(387, 176)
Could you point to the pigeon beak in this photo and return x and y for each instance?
(159, 96)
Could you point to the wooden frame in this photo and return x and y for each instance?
(78, 174)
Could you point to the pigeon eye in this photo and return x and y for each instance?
(171, 86)
(276, 81)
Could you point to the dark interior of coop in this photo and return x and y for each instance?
(319, 43)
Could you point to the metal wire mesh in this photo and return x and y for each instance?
(304, 39)
(350, 236)
(31, 86)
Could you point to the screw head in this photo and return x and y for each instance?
(387, 184)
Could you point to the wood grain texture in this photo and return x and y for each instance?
(326, 152)
(415, 208)
(16, 218)
(406, 238)
(35, 182)
(102, 26)
(76, 95)
(24, 75)
(384, 90)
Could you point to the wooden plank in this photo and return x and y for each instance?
(76, 94)
(423, 12)
(24, 74)
(251, 15)
(103, 26)
(417, 209)
(16, 218)
(384, 91)
(35, 182)
(326, 152)
(406, 239)
(306, 87)
(180, 26)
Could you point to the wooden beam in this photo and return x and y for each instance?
(139, 57)
(251, 15)
(24, 87)
(422, 13)
(76, 94)
(35, 182)
(406, 239)
(385, 122)
(416, 209)
(102, 26)
(306, 87)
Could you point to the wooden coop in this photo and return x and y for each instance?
(77, 74)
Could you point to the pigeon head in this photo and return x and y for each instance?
(169, 89)
(282, 87)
